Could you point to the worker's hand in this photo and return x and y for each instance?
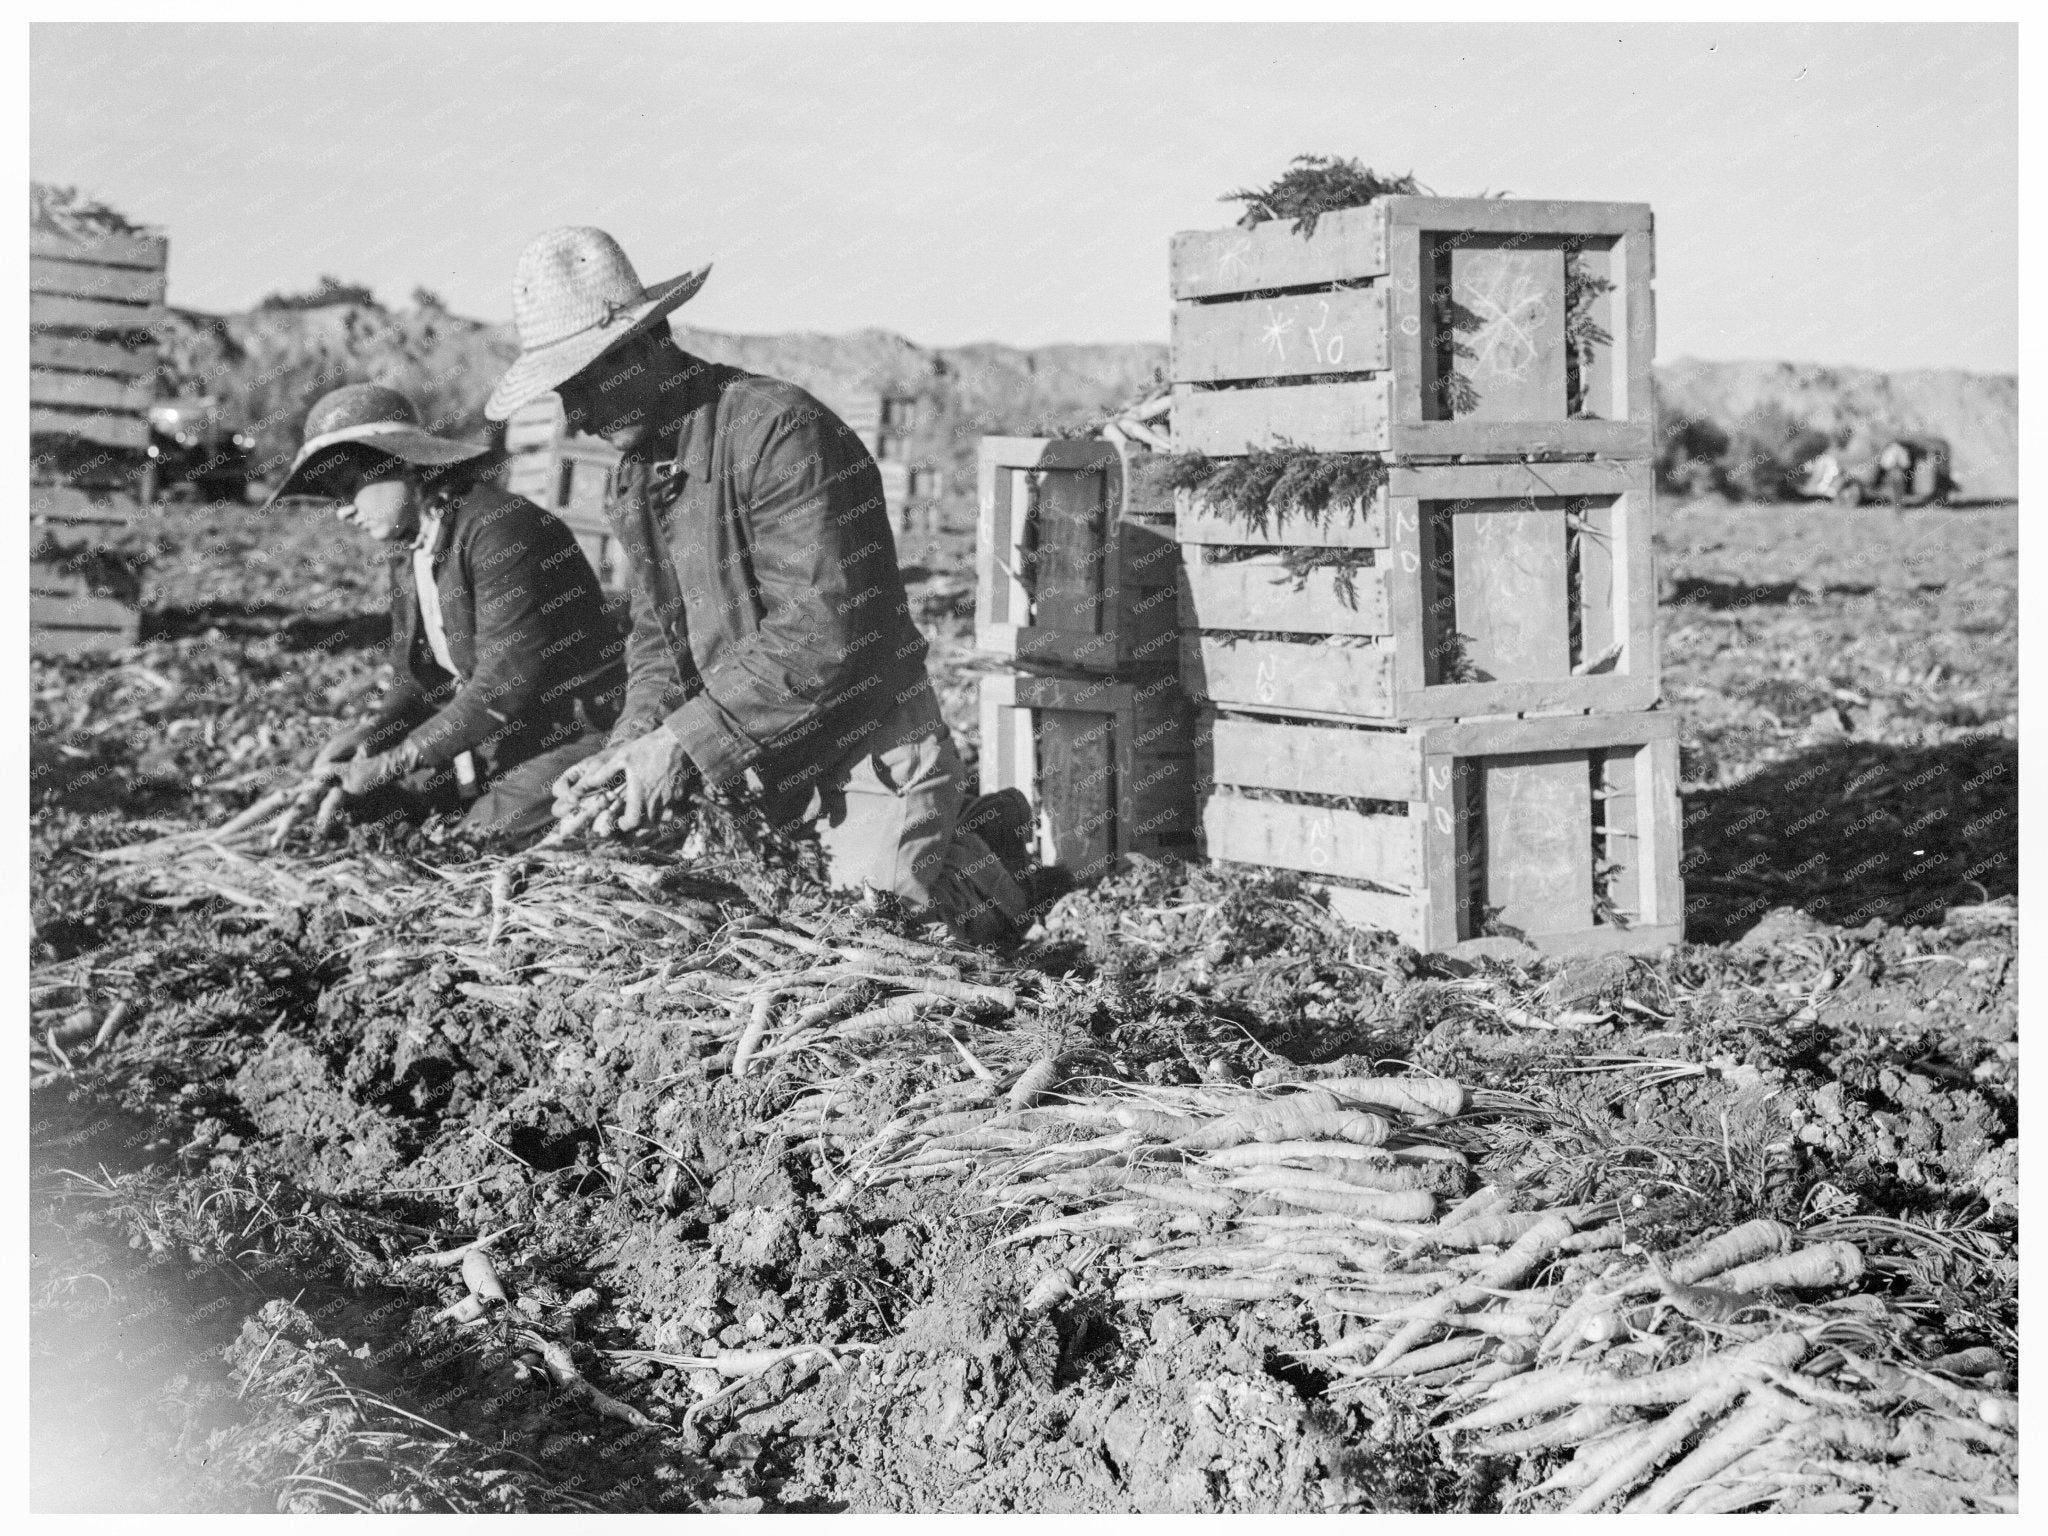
(359, 775)
(659, 777)
(580, 781)
(343, 744)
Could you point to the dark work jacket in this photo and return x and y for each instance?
(770, 626)
(526, 627)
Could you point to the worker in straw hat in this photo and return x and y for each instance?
(508, 670)
(772, 650)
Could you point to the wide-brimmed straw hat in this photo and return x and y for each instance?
(372, 416)
(574, 298)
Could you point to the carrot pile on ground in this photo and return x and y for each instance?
(1744, 1371)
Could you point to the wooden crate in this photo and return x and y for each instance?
(1520, 822)
(1532, 582)
(1075, 558)
(1107, 765)
(1356, 337)
(95, 304)
(69, 613)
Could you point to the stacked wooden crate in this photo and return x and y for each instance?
(1076, 591)
(1437, 698)
(95, 306)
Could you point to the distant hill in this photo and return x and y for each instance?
(268, 365)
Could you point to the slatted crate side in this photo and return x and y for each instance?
(1352, 333)
(1074, 564)
(1547, 826)
(1107, 770)
(81, 354)
(1498, 589)
(70, 510)
(68, 618)
(146, 252)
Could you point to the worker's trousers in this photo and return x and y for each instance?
(888, 820)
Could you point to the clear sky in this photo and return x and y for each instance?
(1833, 194)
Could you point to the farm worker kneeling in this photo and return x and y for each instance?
(508, 670)
(772, 649)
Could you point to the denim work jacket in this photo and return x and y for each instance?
(770, 626)
(526, 627)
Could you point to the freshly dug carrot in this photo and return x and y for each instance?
(1035, 1082)
(751, 1036)
(1485, 1198)
(1528, 1254)
(1808, 1269)
(1371, 1175)
(561, 1368)
(1159, 1124)
(1738, 1245)
(1657, 1444)
(1310, 1116)
(1215, 1202)
(1741, 1432)
(1595, 1239)
(1541, 1392)
(469, 1309)
(1678, 1383)
(449, 1258)
(1493, 1230)
(1200, 1288)
(899, 1014)
(1428, 1152)
(1592, 1458)
(481, 1276)
(1265, 1154)
(1376, 1205)
(1979, 1361)
(1422, 1099)
(1572, 1428)
(1432, 1357)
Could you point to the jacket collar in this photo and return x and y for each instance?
(696, 435)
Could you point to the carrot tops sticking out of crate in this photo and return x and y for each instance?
(1268, 486)
(1314, 185)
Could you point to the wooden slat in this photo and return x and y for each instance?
(1078, 788)
(1349, 243)
(1512, 300)
(1319, 840)
(77, 354)
(1402, 916)
(1497, 482)
(1511, 592)
(50, 312)
(1161, 797)
(87, 391)
(78, 611)
(56, 642)
(1314, 760)
(1353, 526)
(1563, 733)
(1259, 593)
(90, 280)
(149, 252)
(106, 430)
(1288, 677)
(1516, 215)
(1067, 563)
(1102, 695)
(68, 504)
(1539, 841)
(1659, 821)
(1350, 417)
(1286, 337)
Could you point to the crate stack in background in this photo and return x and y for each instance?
(96, 290)
(1434, 697)
(1075, 592)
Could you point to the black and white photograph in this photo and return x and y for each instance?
(1093, 762)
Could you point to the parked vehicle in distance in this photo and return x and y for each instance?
(1906, 471)
(195, 454)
